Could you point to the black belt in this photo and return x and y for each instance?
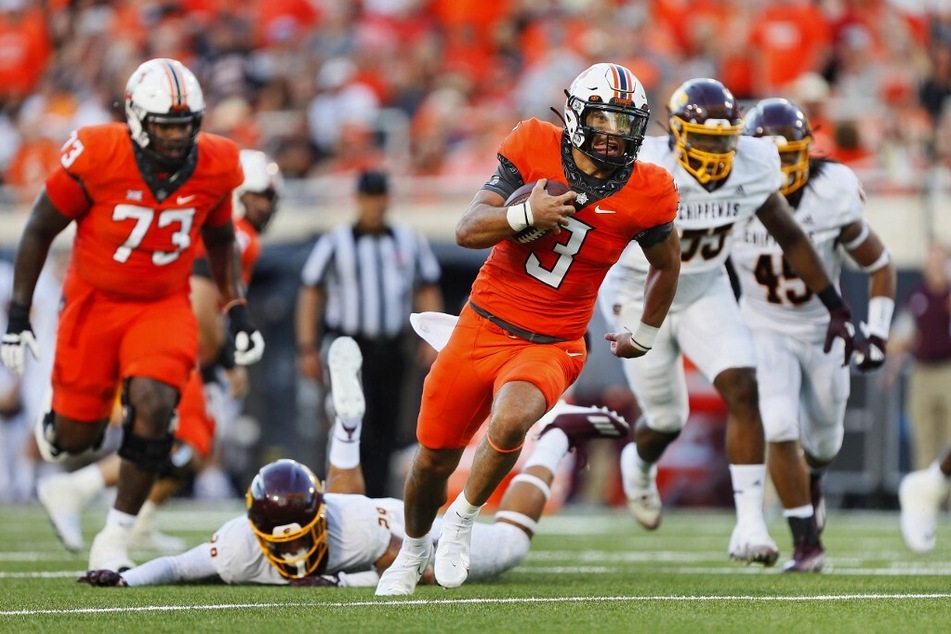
(515, 330)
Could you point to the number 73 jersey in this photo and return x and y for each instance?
(133, 242)
(706, 221)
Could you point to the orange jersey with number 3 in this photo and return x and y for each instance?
(550, 285)
(128, 243)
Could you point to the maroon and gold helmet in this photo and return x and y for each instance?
(786, 124)
(705, 125)
(288, 516)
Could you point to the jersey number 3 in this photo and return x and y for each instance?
(143, 216)
(567, 251)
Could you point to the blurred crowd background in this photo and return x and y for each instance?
(426, 89)
(429, 87)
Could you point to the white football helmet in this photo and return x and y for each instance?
(163, 91)
(606, 114)
(261, 176)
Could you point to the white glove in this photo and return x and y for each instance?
(248, 341)
(19, 336)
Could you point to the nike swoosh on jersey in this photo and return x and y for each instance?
(574, 354)
(181, 200)
(598, 210)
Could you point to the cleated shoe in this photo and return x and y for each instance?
(920, 495)
(64, 505)
(581, 423)
(110, 550)
(750, 543)
(451, 566)
(345, 360)
(401, 577)
(643, 498)
(806, 558)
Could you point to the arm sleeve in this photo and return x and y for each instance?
(505, 180)
(189, 566)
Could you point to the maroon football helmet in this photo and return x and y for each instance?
(287, 514)
(786, 124)
(705, 124)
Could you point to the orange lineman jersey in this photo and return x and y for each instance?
(128, 243)
(249, 245)
(550, 286)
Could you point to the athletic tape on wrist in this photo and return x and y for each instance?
(880, 311)
(643, 336)
(520, 216)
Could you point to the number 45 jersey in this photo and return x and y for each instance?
(706, 221)
(773, 296)
(133, 241)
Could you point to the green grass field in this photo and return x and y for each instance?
(589, 571)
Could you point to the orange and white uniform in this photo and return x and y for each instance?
(126, 310)
(545, 290)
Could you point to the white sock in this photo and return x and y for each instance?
(146, 515)
(803, 512)
(635, 472)
(748, 480)
(416, 545)
(548, 451)
(344, 447)
(463, 507)
(118, 519)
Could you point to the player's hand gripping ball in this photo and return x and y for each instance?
(520, 195)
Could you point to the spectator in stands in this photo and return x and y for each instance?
(922, 331)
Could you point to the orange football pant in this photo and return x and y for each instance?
(479, 359)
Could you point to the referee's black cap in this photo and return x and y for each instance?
(372, 183)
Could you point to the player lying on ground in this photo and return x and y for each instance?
(296, 533)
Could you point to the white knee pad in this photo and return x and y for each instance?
(780, 427)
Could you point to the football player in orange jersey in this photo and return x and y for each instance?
(519, 342)
(141, 195)
(64, 495)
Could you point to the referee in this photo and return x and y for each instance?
(364, 280)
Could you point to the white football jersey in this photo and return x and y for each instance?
(772, 295)
(706, 221)
(358, 533)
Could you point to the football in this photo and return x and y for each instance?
(520, 195)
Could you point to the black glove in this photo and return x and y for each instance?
(869, 352)
(18, 339)
(315, 581)
(103, 579)
(248, 342)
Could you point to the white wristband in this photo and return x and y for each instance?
(643, 336)
(880, 310)
(520, 216)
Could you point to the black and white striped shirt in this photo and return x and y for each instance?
(369, 279)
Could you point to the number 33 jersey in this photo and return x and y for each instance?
(706, 221)
(131, 242)
(773, 296)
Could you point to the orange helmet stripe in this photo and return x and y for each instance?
(176, 85)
